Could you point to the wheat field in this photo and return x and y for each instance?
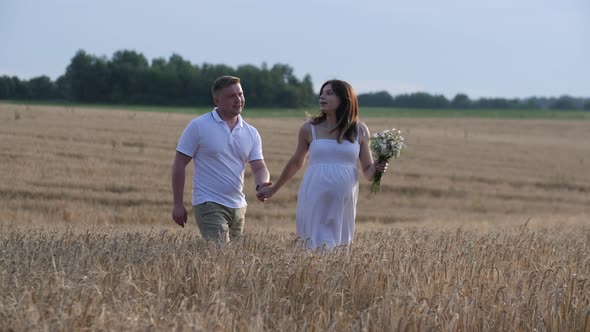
(482, 225)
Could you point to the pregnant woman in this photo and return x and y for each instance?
(336, 142)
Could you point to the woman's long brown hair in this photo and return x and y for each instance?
(346, 114)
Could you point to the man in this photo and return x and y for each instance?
(220, 143)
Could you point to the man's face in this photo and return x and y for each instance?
(230, 100)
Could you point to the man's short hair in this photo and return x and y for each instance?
(223, 82)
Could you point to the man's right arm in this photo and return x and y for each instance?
(179, 213)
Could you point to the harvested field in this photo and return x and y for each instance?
(482, 224)
(78, 165)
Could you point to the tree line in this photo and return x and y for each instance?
(129, 78)
(462, 101)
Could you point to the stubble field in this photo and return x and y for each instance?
(483, 224)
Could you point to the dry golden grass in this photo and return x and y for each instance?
(481, 226)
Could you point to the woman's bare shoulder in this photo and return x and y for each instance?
(305, 132)
(305, 127)
(364, 130)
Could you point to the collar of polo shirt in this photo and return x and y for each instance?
(218, 118)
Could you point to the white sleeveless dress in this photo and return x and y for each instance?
(326, 201)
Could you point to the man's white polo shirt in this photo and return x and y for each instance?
(219, 158)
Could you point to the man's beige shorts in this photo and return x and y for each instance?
(218, 222)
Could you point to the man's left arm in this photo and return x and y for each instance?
(261, 174)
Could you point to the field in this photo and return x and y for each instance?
(483, 224)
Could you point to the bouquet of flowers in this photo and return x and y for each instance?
(385, 145)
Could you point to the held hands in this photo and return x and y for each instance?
(262, 190)
(265, 192)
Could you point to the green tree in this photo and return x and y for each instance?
(564, 102)
(283, 81)
(256, 89)
(128, 78)
(421, 100)
(42, 88)
(492, 103)
(186, 76)
(461, 100)
(376, 99)
(161, 85)
(87, 78)
(20, 89)
(6, 87)
(127, 75)
(308, 96)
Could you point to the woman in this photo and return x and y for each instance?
(326, 201)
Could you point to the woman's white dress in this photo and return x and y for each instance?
(326, 201)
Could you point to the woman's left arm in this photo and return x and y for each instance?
(368, 166)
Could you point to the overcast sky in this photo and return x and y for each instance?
(499, 48)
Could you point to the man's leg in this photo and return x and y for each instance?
(212, 220)
(236, 225)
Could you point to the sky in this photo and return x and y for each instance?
(500, 48)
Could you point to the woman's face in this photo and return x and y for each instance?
(329, 101)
